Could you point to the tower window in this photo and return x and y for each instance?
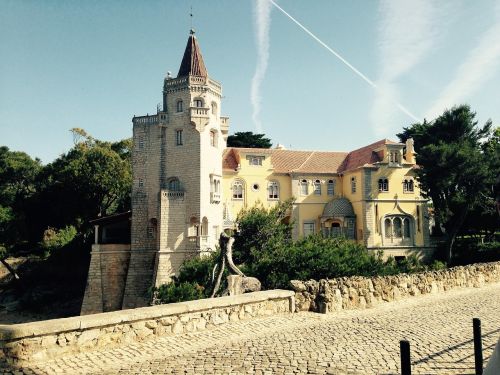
(214, 108)
(383, 184)
(141, 143)
(255, 160)
(353, 185)
(178, 138)
(331, 187)
(198, 103)
(317, 187)
(174, 184)
(213, 138)
(179, 106)
(141, 182)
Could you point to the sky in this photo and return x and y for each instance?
(312, 75)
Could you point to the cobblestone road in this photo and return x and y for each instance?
(438, 327)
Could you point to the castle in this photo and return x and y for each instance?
(188, 187)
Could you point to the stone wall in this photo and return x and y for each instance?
(106, 278)
(362, 292)
(49, 339)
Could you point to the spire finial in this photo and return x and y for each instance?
(191, 31)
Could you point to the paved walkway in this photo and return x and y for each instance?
(438, 327)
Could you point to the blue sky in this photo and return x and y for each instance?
(96, 64)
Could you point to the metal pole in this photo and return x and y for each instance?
(404, 347)
(478, 346)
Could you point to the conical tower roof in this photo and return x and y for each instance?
(192, 61)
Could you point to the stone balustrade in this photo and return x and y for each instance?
(356, 292)
(49, 339)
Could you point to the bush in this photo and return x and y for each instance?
(56, 239)
(315, 257)
(193, 282)
(179, 292)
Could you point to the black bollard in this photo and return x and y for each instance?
(478, 346)
(404, 347)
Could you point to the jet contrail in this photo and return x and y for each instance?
(365, 78)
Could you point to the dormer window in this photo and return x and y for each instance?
(383, 184)
(255, 160)
(394, 157)
(408, 186)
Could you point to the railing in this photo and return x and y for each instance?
(198, 111)
(215, 197)
(173, 194)
(145, 120)
(198, 242)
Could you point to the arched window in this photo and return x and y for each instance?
(179, 106)
(273, 189)
(238, 189)
(317, 187)
(198, 103)
(388, 228)
(214, 108)
(213, 138)
(204, 227)
(398, 230)
(353, 185)
(397, 227)
(173, 184)
(406, 227)
(383, 184)
(408, 186)
(331, 187)
(304, 187)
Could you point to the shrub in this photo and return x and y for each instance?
(314, 257)
(178, 292)
(193, 282)
(56, 239)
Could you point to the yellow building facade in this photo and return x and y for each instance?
(369, 195)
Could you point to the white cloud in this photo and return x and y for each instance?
(407, 33)
(481, 63)
(262, 17)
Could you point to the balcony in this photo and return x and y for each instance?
(198, 112)
(215, 197)
(173, 194)
(198, 242)
(145, 120)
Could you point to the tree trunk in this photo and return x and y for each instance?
(452, 234)
(10, 269)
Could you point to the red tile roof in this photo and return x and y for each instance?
(291, 161)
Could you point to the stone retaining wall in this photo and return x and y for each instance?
(362, 292)
(54, 338)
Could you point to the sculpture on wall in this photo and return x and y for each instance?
(237, 282)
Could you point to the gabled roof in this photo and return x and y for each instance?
(192, 61)
(364, 156)
(291, 161)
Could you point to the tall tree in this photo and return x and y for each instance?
(454, 171)
(248, 139)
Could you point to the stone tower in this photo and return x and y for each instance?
(177, 173)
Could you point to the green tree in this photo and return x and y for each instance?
(259, 228)
(454, 171)
(248, 139)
